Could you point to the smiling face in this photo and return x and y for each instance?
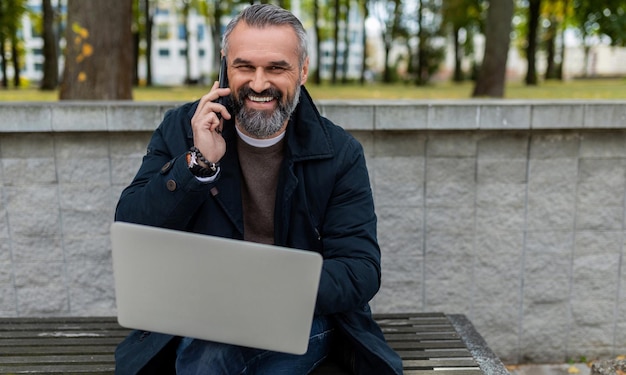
(265, 76)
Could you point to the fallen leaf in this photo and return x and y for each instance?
(82, 77)
(573, 370)
(620, 357)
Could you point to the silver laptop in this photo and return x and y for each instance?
(216, 289)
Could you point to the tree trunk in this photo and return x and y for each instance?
(346, 45)
(3, 63)
(551, 68)
(492, 75)
(15, 59)
(99, 52)
(458, 52)
(50, 78)
(534, 7)
(336, 40)
(317, 79)
(365, 9)
(149, 23)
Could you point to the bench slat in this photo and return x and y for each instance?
(69, 359)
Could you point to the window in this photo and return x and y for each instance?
(164, 52)
(181, 32)
(200, 32)
(163, 31)
(201, 52)
(182, 52)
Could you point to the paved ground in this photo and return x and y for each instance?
(547, 369)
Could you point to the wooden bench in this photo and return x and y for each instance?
(426, 342)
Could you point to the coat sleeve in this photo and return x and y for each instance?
(351, 270)
(163, 193)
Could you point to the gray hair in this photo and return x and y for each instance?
(263, 15)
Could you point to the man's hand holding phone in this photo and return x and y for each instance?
(207, 123)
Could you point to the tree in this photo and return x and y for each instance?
(11, 12)
(99, 51)
(466, 22)
(492, 74)
(50, 78)
(365, 11)
(534, 12)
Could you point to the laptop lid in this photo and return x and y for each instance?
(212, 288)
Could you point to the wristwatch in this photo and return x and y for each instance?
(198, 170)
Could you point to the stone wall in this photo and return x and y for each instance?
(511, 212)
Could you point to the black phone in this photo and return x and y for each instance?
(223, 76)
(223, 82)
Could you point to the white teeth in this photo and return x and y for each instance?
(260, 98)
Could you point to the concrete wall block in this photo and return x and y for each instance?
(590, 341)
(41, 289)
(133, 117)
(497, 266)
(79, 116)
(603, 144)
(26, 145)
(8, 301)
(604, 115)
(452, 145)
(29, 171)
(88, 247)
(448, 284)
(500, 217)
(37, 248)
(91, 288)
(449, 194)
(505, 117)
(501, 195)
(399, 144)
(457, 220)
(400, 117)
(498, 323)
(588, 287)
(5, 242)
(350, 117)
(398, 296)
(541, 342)
(557, 115)
(508, 171)
(91, 171)
(506, 147)
(554, 145)
(446, 170)
(446, 117)
(24, 117)
(398, 182)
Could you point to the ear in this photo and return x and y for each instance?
(305, 71)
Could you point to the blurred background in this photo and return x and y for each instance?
(89, 49)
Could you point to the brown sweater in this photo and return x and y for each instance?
(259, 169)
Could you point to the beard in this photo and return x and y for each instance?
(264, 124)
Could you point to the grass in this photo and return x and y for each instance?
(590, 89)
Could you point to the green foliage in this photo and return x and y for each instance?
(601, 18)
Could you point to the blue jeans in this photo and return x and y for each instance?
(196, 357)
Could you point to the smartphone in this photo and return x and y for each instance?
(223, 78)
(223, 82)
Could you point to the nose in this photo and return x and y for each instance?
(258, 81)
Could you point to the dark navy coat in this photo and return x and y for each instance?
(323, 203)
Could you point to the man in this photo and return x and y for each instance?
(269, 169)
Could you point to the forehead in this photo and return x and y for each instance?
(275, 42)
